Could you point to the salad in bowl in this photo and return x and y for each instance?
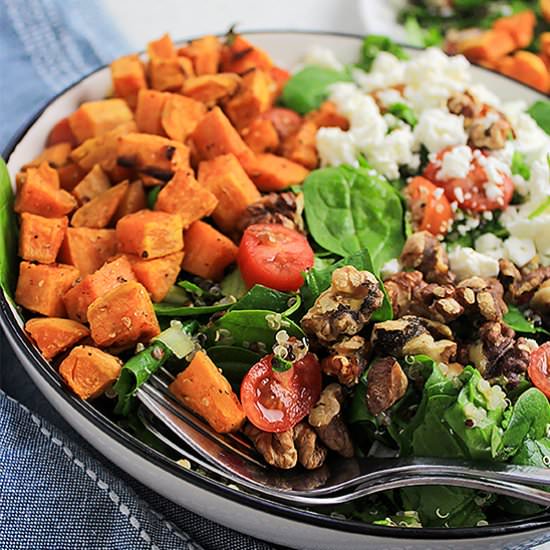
(343, 256)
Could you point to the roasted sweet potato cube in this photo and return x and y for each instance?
(204, 53)
(40, 194)
(180, 116)
(226, 179)
(212, 88)
(242, 56)
(95, 118)
(163, 47)
(55, 155)
(328, 117)
(60, 133)
(101, 150)
(490, 46)
(528, 68)
(149, 234)
(97, 213)
(153, 156)
(123, 316)
(40, 238)
(128, 77)
(53, 335)
(157, 275)
(150, 105)
(134, 200)
(92, 185)
(254, 98)
(88, 371)
(166, 75)
(520, 26)
(301, 147)
(183, 196)
(272, 173)
(70, 175)
(110, 275)
(41, 287)
(261, 136)
(87, 249)
(280, 78)
(207, 251)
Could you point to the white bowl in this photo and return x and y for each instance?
(252, 515)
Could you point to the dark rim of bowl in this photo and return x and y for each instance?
(109, 428)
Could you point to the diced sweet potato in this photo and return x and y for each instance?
(166, 75)
(241, 56)
(520, 26)
(215, 135)
(70, 175)
(41, 287)
(328, 117)
(149, 234)
(123, 316)
(92, 185)
(234, 190)
(158, 275)
(98, 212)
(89, 371)
(134, 200)
(95, 118)
(204, 53)
(111, 274)
(211, 88)
(40, 238)
(55, 155)
(207, 251)
(490, 45)
(301, 147)
(53, 335)
(527, 68)
(280, 78)
(261, 136)
(204, 389)
(545, 9)
(87, 249)
(163, 47)
(101, 150)
(254, 98)
(60, 133)
(150, 104)
(128, 77)
(180, 116)
(40, 194)
(272, 173)
(153, 156)
(183, 196)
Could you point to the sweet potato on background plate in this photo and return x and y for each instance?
(180, 116)
(204, 53)
(150, 104)
(133, 201)
(94, 183)
(128, 76)
(40, 238)
(273, 173)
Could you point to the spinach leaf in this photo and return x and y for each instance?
(308, 88)
(8, 233)
(540, 112)
(514, 319)
(262, 297)
(373, 45)
(519, 166)
(403, 112)
(348, 209)
(171, 310)
(234, 362)
(251, 329)
(534, 453)
(422, 37)
(233, 285)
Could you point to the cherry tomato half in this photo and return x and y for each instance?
(469, 192)
(286, 121)
(276, 401)
(539, 370)
(432, 206)
(274, 256)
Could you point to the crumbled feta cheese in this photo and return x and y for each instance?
(484, 95)
(519, 251)
(393, 151)
(390, 268)
(455, 163)
(389, 97)
(490, 245)
(493, 192)
(466, 262)
(386, 71)
(322, 57)
(437, 129)
(336, 147)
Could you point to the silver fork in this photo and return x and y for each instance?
(234, 459)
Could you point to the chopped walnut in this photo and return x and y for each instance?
(464, 104)
(311, 452)
(280, 208)
(345, 307)
(425, 253)
(541, 299)
(482, 297)
(400, 288)
(347, 360)
(277, 448)
(325, 418)
(436, 302)
(522, 285)
(386, 384)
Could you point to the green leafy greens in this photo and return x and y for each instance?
(540, 112)
(8, 233)
(373, 45)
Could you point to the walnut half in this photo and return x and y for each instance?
(277, 448)
(386, 384)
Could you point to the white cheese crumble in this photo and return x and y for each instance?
(466, 262)
(390, 268)
(490, 245)
(456, 163)
(386, 71)
(519, 251)
(322, 57)
(389, 97)
(336, 147)
(437, 129)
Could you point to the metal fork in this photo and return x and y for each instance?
(235, 460)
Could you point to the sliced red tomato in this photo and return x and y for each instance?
(274, 256)
(286, 121)
(276, 401)
(429, 205)
(469, 192)
(539, 370)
